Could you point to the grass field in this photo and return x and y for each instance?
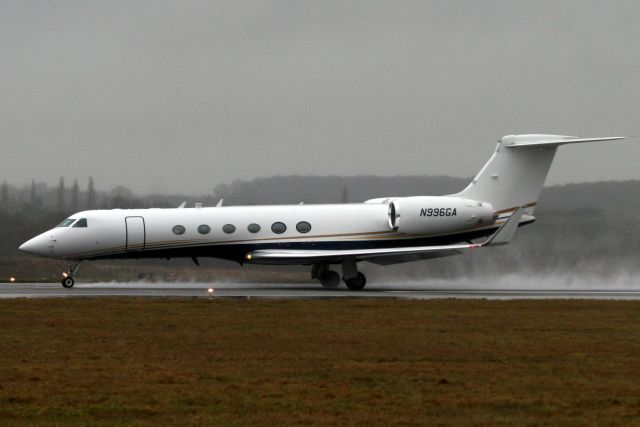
(266, 362)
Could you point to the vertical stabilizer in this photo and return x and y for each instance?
(513, 177)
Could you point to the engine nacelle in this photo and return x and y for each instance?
(433, 215)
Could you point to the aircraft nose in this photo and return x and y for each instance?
(35, 246)
(27, 246)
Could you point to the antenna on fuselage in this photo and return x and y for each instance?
(182, 205)
(220, 203)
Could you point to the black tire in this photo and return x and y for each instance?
(329, 279)
(356, 283)
(68, 282)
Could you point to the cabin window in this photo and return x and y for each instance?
(303, 227)
(82, 222)
(67, 222)
(204, 229)
(253, 228)
(229, 228)
(178, 229)
(278, 227)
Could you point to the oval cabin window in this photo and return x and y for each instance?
(178, 229)
(303, 227)
(253, 228)
(278, 227)
(204, 229)
(229, 228)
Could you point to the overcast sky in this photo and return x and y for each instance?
(178, 96)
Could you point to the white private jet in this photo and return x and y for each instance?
(385, 231)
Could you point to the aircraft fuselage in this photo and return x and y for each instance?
(232, 232)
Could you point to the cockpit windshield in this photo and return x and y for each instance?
(67, 222)
(82, 222)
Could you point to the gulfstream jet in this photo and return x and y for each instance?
(328, 238)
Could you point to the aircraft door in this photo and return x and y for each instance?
(135, 233)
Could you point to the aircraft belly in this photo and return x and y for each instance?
(237, 251)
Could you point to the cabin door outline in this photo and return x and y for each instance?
(135, 233)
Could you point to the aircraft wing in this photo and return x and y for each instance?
(384, 256)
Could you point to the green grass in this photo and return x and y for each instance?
(266, 362)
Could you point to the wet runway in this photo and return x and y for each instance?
(248, 290)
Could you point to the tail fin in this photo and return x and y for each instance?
(513, 177)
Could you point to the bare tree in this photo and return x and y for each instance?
(222, 191)
(75, 191)
(345, 194)
(33, 197)
(60, 203)
(4, 196)
(91, 194)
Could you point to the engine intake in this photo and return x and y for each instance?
(394, 215)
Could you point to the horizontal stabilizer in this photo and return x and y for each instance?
(549, 140)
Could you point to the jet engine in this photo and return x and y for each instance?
(432, 215)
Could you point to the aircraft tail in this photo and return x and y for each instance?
(513, 177)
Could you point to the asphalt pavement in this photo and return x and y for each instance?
(289, 291)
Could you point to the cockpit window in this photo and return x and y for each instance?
(82, 222)
(67, 222)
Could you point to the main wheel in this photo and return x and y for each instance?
(68, 282)
(329, 279)
(356, 283)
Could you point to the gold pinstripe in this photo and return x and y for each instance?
(528, 205)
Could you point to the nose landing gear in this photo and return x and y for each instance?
(68, 280)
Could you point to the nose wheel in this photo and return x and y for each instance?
(68, 281)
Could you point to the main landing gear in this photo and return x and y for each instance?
(328, 279)
(356, 283)
(354, 279)
(67, 280)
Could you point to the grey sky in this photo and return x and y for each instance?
(179, 96)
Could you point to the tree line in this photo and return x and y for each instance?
(41, 195)
(65, 198)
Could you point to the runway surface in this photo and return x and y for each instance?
(248, 290)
